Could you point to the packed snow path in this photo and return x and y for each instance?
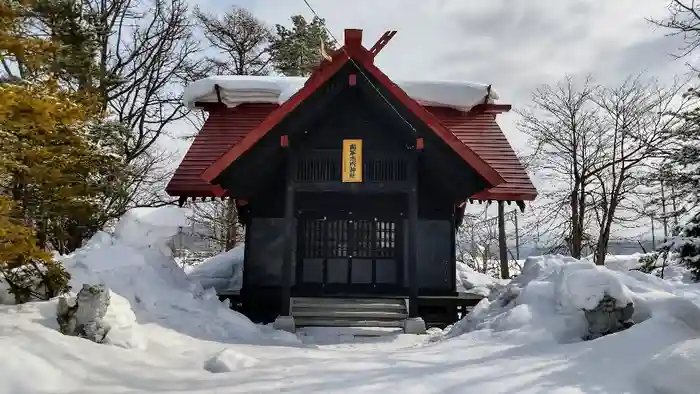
(37, 359)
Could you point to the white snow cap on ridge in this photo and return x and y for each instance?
(238, 89)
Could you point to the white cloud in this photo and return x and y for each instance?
(514, 45)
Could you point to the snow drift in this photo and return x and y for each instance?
(148, 286)
(238, 89)
(470, 281)
(222, 272)
(548, 299)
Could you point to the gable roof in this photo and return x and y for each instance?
(352, 51)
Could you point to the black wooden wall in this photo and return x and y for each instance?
(387, 143)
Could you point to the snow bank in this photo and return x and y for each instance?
(221, 272)
(137, 265)
(150, 227)
(548, 298)
(238, 89)
(622, 262)
(676, 370)
(470, 281)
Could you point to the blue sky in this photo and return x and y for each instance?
(513, 45)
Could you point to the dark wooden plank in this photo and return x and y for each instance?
(367, 187)
(289, 234)
(412, 238)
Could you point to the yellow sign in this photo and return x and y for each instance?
(352, 160)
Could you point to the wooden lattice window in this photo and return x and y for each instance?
(386, 169)
(318, 169)
(325, 166)
(349, 238)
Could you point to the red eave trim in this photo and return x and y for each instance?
(190, 193)
(488, 195)
(312, 84)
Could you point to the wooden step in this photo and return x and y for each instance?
(350, 314)
(349, 303)
(329, 322)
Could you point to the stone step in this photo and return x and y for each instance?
(349, 314)
(329, 322)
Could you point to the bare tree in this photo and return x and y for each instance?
(595, 145)
(684, 21)
(220, 222)
(241, 39)
(147, 54)
(635, 119)
(242, 42)
(565, 133)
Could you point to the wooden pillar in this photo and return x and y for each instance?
(502, 247)
(517, 236)
(413, 239)
(289, 229)
(453, 250)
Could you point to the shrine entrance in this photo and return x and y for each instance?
(346, 246)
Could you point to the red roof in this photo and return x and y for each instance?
(224, 128)
(227, 133)
(354, 50)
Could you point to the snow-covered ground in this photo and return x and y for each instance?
(171, 336)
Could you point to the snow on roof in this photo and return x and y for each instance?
(238, 89)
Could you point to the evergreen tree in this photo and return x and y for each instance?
(54, 167)
(682, 167)
(74, 31)
(297, 51)
(682, 172)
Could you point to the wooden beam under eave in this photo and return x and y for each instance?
(491, 108)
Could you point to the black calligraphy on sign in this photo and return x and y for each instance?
(353, 161)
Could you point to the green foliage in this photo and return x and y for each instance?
(58, 156)
(74, 31)
(297, 51)
(29, 272)
(681, 172)
(649, 263)
(684, 246)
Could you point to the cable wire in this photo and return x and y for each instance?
(376, 89)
